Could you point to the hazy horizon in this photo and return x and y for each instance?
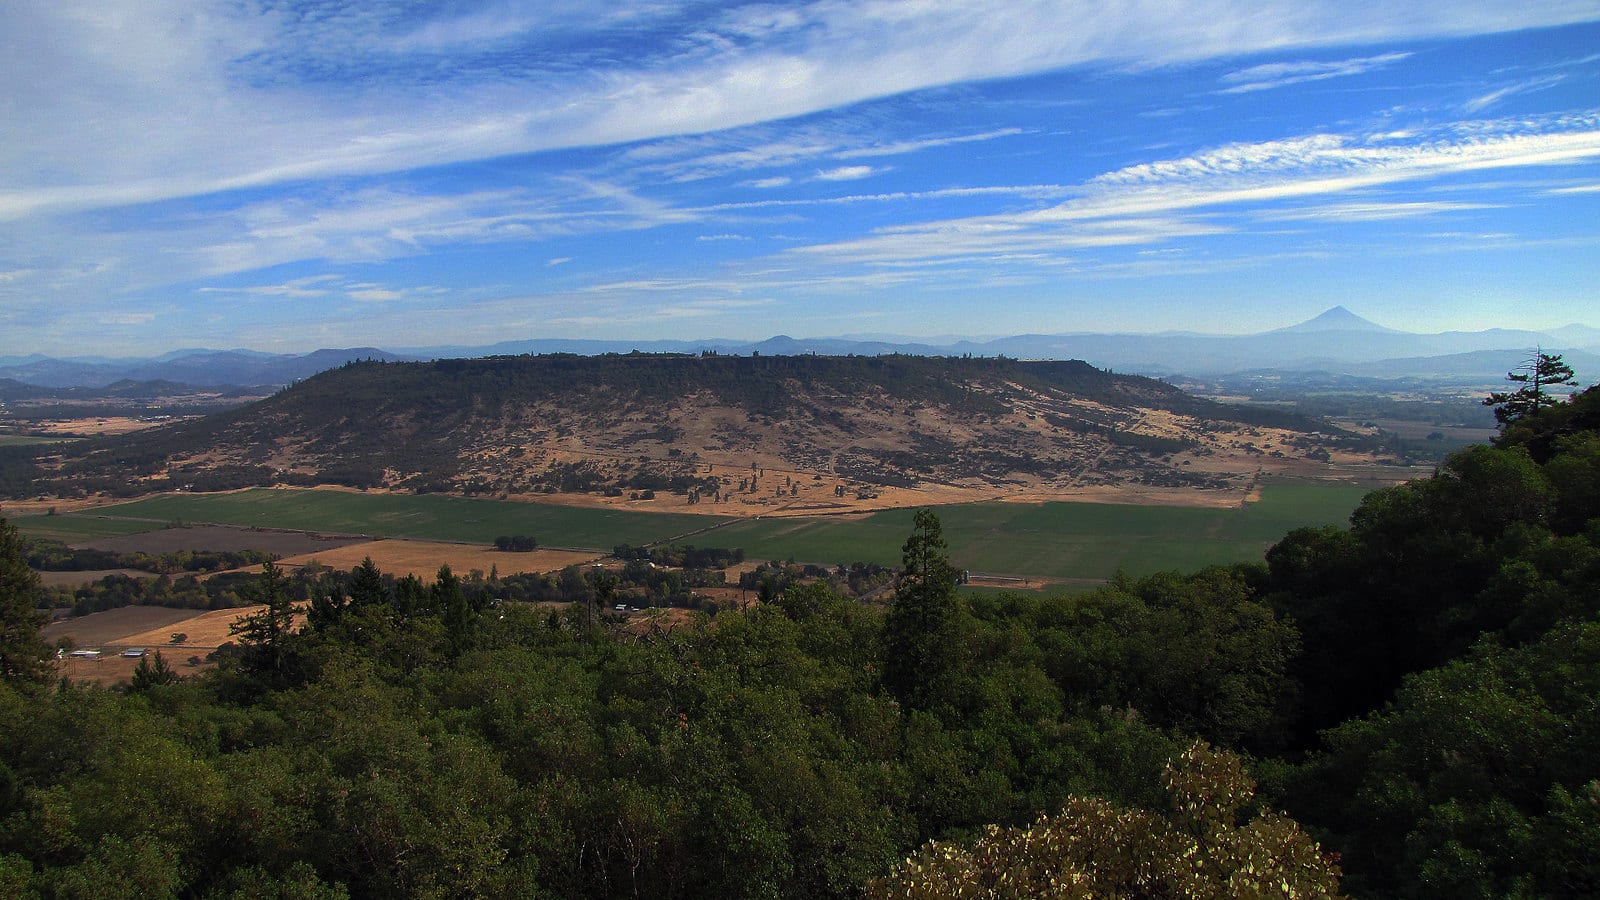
(711, 341)
(325, 174)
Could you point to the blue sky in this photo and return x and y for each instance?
(291, 175)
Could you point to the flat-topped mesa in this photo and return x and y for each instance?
(750, 431)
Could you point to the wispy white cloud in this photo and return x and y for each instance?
(1283, 74)
(1370, 212)
(734, 304)
(411, 293)
(1551, 65)
(718, 159)
(753, 277)
(114, 102)
(632, 315)
(1157, 203)
(896, 148)
(1028, 191)
(497, 24)
(160, 148)
(992, 237)
(657, 285)
(847, 173)
(378, 224)
(1479, 104)
(1328, 162)
(130, 318)
(327, 289)
(710, 156)
(311, 286)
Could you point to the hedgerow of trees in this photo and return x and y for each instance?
(515, 543)
(54, 556)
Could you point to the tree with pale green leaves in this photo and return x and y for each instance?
(1210, 844)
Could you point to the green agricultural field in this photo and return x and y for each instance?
(28, 440)
(72, 528)
(1058, 540)
(1048, 540)
(433, 517)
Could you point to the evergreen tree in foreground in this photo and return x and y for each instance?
(152, 671)
(921, 635)
(1537, 376)
(24, 656)
(267, 637)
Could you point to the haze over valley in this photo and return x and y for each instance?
(1337, 342)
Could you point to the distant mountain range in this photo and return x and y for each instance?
(205, 368)
(1337, 341)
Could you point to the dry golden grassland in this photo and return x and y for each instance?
(206, 631)
(95, 426)
(150, 627)
(1234, 457)
(423, 558)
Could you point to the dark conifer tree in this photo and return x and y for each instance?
(366, 585)
(328, 605)
(24, 656)
(451, 603)
(151, 671)
(921, 637)
(1537, 376)
(268, 635)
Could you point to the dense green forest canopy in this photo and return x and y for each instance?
(1408, 704)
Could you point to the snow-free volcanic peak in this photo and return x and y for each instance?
(1336, 319)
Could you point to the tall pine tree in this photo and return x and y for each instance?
(24, 656)
(922, 646)
(454, 610)
(1537, 376)
(267, 637)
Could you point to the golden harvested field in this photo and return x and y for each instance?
(112, 669)
(97, 426)
(423, 558)
(206, 632)
(150, 627)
